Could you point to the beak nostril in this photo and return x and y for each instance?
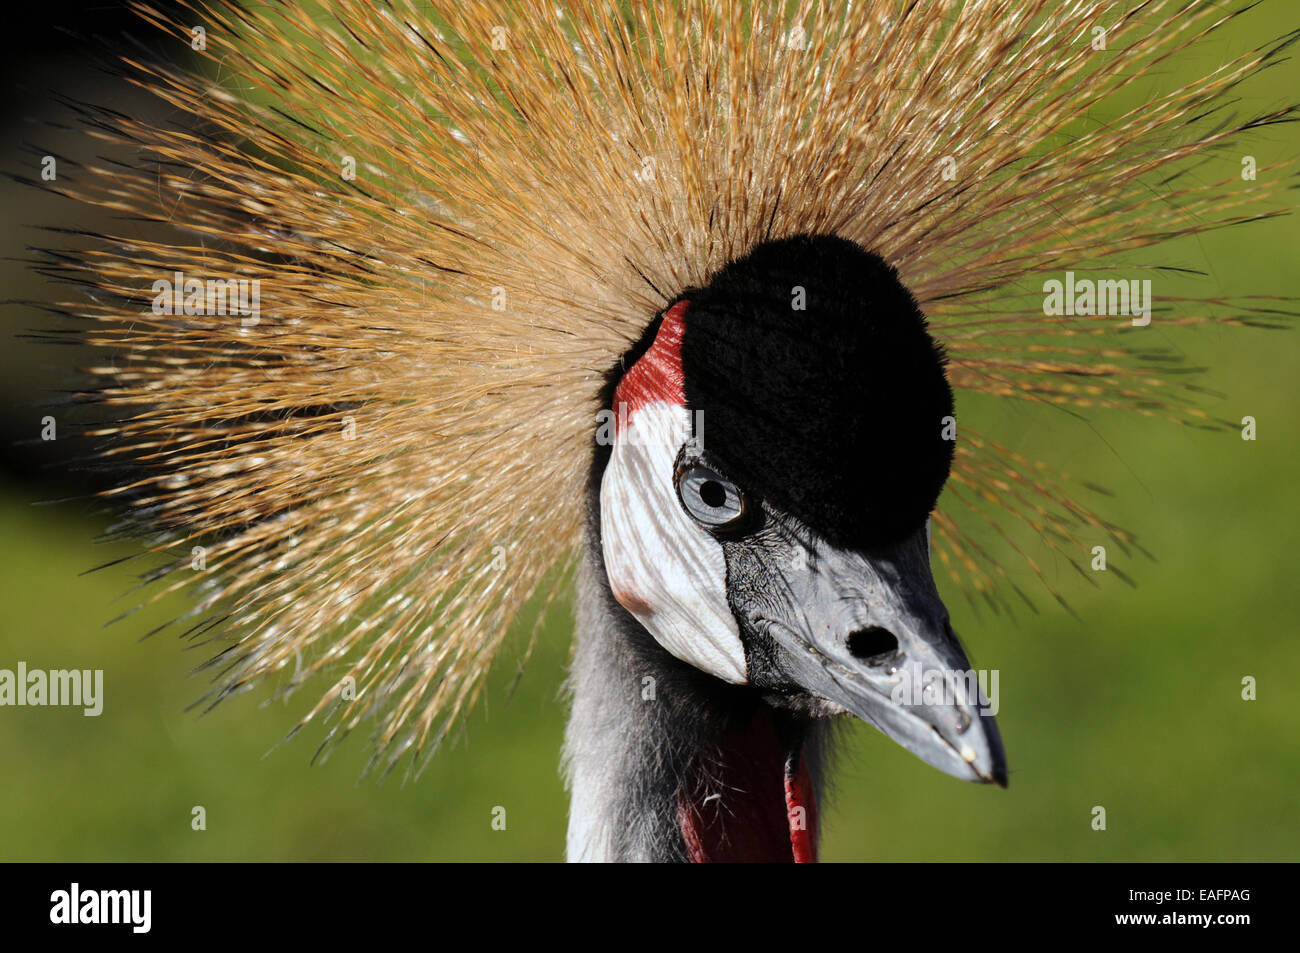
(871, 643)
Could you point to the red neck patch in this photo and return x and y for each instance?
(657, 374)
(766, 813)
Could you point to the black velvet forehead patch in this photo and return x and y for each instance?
(833, 413)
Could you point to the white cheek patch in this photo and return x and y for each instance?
(663, 567)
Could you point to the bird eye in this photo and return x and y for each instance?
(710, 497)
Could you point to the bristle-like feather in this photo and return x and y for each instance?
(460, 219)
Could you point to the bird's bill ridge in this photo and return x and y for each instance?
(868, 633)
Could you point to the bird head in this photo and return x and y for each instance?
(778, 440)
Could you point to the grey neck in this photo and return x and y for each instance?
(636, 722)
(641, 720)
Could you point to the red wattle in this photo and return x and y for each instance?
(756, 818)
(799, 794)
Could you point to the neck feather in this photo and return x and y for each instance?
(665, 763)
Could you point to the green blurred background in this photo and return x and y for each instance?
(1134, 706)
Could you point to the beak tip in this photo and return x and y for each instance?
(988, 765)
(998, 775)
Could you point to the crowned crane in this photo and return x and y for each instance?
(757, 550)
(675, 293)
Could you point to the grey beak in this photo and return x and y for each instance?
(868, 633)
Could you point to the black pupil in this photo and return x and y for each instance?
(713, 493)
